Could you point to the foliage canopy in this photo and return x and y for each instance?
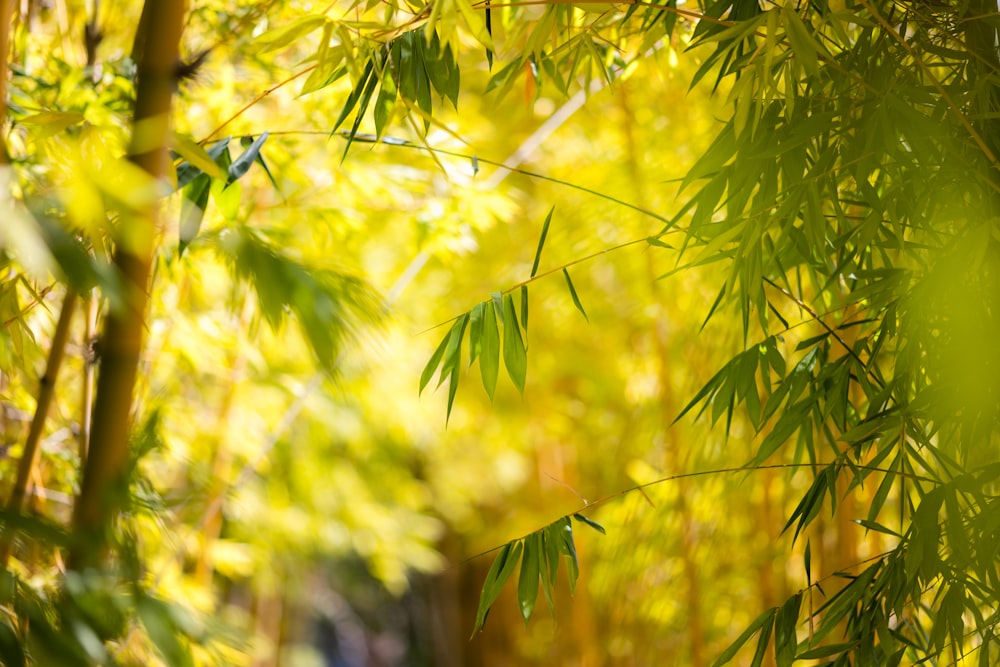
(847, 205)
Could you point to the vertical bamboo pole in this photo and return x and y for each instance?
(6, 9)
(102, 489)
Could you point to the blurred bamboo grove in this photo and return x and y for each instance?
(498, 333)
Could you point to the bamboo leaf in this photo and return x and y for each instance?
(503, 566)
(590, 522)
(434, 361)
(193, 207)
(489, 357)
(541, 241)
(476, 331)
(241, 165)
(726, 656)
(527, 583)
(573, 295)
(567, 547)
(515, 357)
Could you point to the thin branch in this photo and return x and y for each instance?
(257, 99)
(703, 473)
(46, 392)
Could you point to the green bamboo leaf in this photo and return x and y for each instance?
(573, 295)
(752, 629)
(193, 206)
(452, 390)
(527, 583)
(434, 361)
(489, 356)
(801, 40)
(826, 651)
(545, 567)
(452, 358)
(785, 639)
(515, 357)
(590, 522)
(241, 165)
(503, 566)
(567, 547)
(476, 331)
(762, 641)
(355, 96)
(384, 102)
(551, 539)
(541, 241)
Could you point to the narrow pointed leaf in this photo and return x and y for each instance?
(503, 566)
(573, 295)
(590, 522)
(241, 165)
(489, 353)
(434, 361)
(752, 629)
(527, 583)
(476, 331)
(514, 356)
(541, 241)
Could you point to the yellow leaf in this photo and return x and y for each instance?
(196, 155)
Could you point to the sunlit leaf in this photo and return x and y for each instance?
(514, 356)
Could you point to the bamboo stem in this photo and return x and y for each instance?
(103, 488)
(6, 8)
(29, 458)
(90, 366)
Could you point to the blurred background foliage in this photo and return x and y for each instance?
(295, 499)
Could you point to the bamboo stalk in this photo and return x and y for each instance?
(90, 366)
(6, 8)
(29, 458)
(102, 490)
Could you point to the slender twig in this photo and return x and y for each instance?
(89, 372)
(257, 99)
(46, 392)
(702, 473)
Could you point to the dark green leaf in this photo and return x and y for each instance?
(541, 241)
(567, 547)
(503, 566)
(527, 583)
(590, 522)
(785, 640)
(193, 207)
(733, 649)
(762, 642)
(355, 96)
(573, 295)
(434, 361)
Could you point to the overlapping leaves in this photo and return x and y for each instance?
(538, 555)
